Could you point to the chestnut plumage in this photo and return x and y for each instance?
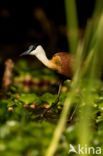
(64, 63)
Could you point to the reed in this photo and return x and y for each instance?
(89, 52)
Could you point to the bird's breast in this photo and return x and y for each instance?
(65, 64)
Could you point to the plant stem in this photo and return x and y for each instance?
(60, 127)
(72, 24)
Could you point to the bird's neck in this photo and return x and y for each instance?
(41, 56)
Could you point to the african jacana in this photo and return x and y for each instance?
(61, 62)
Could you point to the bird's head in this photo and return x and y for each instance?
(34, 50)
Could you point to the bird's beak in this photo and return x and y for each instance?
(25, 53)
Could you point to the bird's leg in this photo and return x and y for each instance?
(56, 101)
(58, 95)
(54, 104)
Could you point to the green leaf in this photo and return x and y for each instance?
(29, 98)
(49, 98)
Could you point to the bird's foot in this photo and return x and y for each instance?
(47, 112)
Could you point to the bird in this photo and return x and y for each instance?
(61, 63)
